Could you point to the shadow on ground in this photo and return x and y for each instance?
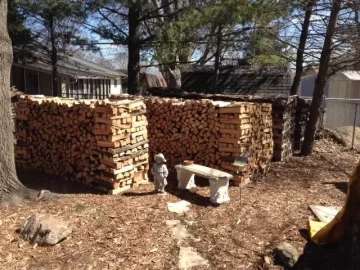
(342, 186)
(55, 184)
(192, 196)
(187, 195)
(322, 257)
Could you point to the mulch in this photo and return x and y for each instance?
(129, 231)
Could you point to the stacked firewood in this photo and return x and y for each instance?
(184, 130)
(103, 144)
(302, 116)
(246, 132)
(283, 114)
(121, 133)
(55, 136)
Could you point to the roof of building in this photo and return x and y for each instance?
(352, 75)
(74, 67)
(236, 80)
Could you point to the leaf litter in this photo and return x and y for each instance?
(130, 232)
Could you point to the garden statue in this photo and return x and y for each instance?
(160, 172)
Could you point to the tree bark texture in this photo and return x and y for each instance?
(217, 58)
(9, 183)
(172, 76)
(54, 57)
(134, 46)
(356, 10)
(320, 81)
(301, 48)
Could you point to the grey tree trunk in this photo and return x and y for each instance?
(134, 46)
(54, 58)
(301, 48)
(172, 76)
(11, 190)
(320, 81)
(217, 59)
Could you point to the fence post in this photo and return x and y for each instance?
(354, 127)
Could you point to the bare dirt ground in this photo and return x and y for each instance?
(129, 231)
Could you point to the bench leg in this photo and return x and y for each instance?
(186, 179)
(219, 190)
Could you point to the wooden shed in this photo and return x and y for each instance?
(345, 84)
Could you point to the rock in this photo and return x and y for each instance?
(189, 258)
(267, 260)
(180, 207)
(178, 230)
(287, 254)
(44, 230)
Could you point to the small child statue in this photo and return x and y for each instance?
(160, 172)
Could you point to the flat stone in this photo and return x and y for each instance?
(44, 230)
(188, 258)
(178, 207)
(325, 213)
(178, 230)
(287, 254)
(172, 223)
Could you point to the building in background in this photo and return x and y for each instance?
(345, 84)
(234, 79)
(307, 84)
(77, 78)
(149, 78)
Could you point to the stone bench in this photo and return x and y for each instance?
(219, 180)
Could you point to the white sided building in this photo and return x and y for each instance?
(77, 78)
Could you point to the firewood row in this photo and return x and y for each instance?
(284, 140)
(102, 144)
(121, 133)
(184, 130)
(109, 144)
(283, 115)
(302, 116)
(246, 132)
(55, 136)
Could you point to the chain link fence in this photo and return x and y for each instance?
(343, 116)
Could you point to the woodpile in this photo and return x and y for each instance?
(55, 136)
(283, 114)
(184, 130)
(109, 144)
(288, 129)
(103, 144)
(121, 133)
(302, 116)
(246, 131)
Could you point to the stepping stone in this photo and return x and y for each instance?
(180, 207)
(188, 258)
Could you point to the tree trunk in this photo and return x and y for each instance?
(134, 48)
(172, 76)
(10, 186)
(357, 25)
(217, 59)
(54, 57)
(320, 81)
(301, 48)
